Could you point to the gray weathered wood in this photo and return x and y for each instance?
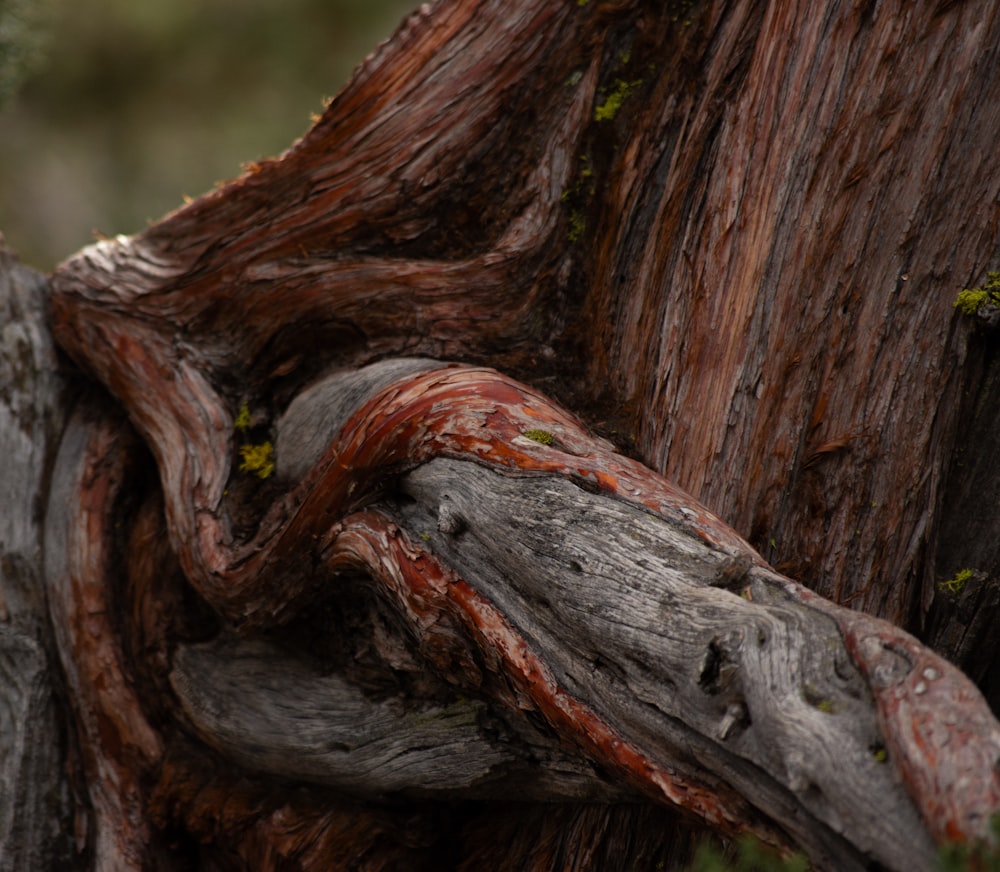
(35, 816)
(699, 654)
(675, 644)
(276, 713)
(649, 623)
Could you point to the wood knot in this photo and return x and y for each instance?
(449, 520)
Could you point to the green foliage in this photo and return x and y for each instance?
(751, 855)
(141, 102)
(24, 38)
(972, 300)
(957, 582)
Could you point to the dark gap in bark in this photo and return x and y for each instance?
(961, 623)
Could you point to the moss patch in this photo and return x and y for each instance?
(258, 459)
(243, 420)
(577, 198)
(542, 437)
(972, 300)
(956, 583)
(613, 99)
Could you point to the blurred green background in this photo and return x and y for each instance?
(112, 111)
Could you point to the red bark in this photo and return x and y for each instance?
(737, 238)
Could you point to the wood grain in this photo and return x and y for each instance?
(743, 266)
(36, 819)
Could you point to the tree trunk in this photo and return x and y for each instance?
(320, 599)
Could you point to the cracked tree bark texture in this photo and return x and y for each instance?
(729, 235)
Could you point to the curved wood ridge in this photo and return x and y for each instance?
(936, 727)
(120, 749)
(422, 583)
(505, 535)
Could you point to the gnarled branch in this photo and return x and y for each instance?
(474, 195)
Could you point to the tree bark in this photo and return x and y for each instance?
(36, 820)
(729, 235)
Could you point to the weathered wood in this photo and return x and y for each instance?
(276, 713)
(626, 605)
(36, 823)
(708, 234)
(642, 621)
(646, 635)
(822, 183)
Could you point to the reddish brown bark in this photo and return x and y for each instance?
(823, 192)
(770, 219)
(942, 739)
(733, 240)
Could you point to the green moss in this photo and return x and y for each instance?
(680, 11)
(972, 300)
(607, 110)
(258, 459)
(577, 224)
(542, 437)
(956, 584)
(243, 420)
